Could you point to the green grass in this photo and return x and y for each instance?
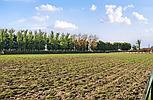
(74, 76)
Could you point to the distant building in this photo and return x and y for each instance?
(147, 50)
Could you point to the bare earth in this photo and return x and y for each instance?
(114, 76)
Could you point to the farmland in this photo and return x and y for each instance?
(114, 76)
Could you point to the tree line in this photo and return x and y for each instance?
(26, 40)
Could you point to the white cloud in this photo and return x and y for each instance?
(48, 8)
(34, 19)
(128, 6)
(40, 18)
(33, 23)
(65, 25)
(93, 7)
(115, 14)
(139, 16)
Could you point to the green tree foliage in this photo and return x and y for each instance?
(101, 46)
(108, 46)
(125, 46)
(1, 39)
(15, 44)
(70, 43)
(117, 45)
(30, 41)
(113, 46)
(41, 40)
(134, 47)
(6, 39)
(25, 40)
(138, 44)
(56, 42)
(20, 40)
(63, 42)
(50, 43)
(11, 36)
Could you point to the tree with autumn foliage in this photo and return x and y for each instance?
(25, 40)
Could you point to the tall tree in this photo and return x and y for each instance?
(6, 40)
(45, 39)
(63, 42)
(57, 42)
(1, 39)
(25, 42)
(93, 42)
(30, 41)
(84, 42)
(41, 41)
(15, 44)
(11, 36)
(70, 43)
(117, 45)
(125, 46)
(36, 41)
(20, 40)
(101, 45)
(138, 44)
(50, 45)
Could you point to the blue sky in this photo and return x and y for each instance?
(110, 20)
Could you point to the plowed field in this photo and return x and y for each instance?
(114, 76)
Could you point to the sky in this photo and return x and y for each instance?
(109, 20)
